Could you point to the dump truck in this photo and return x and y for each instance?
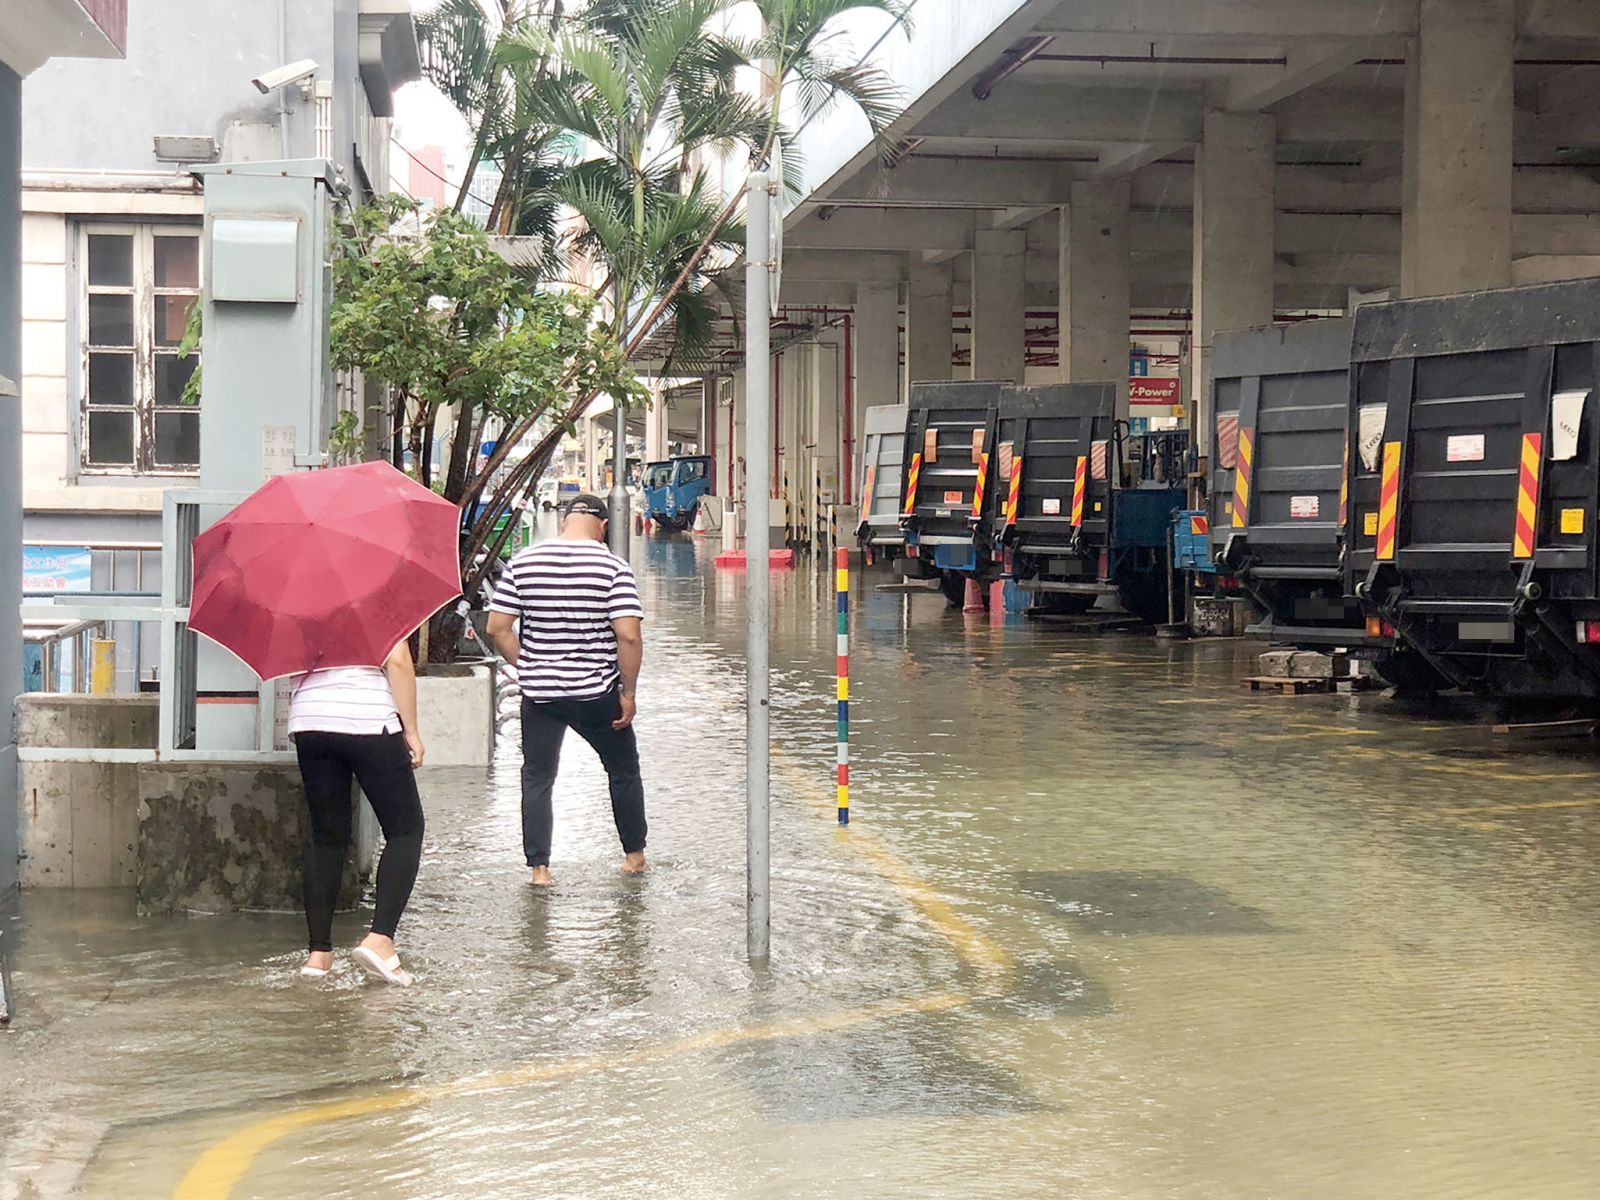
(1473, 480)
(1083, 511)
(878, 531)
(949, 439)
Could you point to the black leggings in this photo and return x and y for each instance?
(381, 763)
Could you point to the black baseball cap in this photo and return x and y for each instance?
(589, 505)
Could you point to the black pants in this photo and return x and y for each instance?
(544, 724)
(381, 763)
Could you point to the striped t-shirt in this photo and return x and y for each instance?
(566, 592)
(343, 700)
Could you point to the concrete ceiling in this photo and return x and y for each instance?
(1114, 88)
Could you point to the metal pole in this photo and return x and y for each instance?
(842, 588)
(621, 527)
(620, 517)
(758, 487)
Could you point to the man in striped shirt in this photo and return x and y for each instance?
(577, 659)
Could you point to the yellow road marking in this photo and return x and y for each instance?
(1334, 730)
(1476, 809)
(218, 1171)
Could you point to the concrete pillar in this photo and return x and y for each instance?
(10, 461)
(999, 305)
(736, 487)
(930, 341)
(657, 422)
(1094, 286)
(1233, 242)
(705, 429)
(791, 387)
(1456, 222)
(825, 434)
(876, 352)
(593, 472)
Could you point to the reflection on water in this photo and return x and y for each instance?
(1257, 947)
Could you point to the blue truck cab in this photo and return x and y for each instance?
(691, 479)
(656, 480)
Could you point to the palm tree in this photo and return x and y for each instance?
(649, 85)
(459, 41)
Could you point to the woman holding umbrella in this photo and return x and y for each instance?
(322, 576)
(361, 723)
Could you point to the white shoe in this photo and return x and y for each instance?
(387, 969)
(313, 972)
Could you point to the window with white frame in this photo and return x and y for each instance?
(140, 282)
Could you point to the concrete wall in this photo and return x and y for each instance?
(10, 463)
(455, 710)
(188, 71)
(944, 33)
(225, 837)
(80, 821)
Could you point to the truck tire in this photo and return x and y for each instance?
(1409, 674)
(954, 587)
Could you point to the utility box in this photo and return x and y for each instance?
(268, 297)
(268, 382)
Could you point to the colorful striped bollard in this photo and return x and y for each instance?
(842, 586)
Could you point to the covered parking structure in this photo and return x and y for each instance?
(1074, 178)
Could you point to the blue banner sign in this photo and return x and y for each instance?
(56, 569)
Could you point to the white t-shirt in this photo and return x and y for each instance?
(343, 700)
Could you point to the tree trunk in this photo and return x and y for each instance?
(397, 433)
(462, 450)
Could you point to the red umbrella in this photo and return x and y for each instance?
(325, 569)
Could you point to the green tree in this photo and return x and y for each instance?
(423, 305)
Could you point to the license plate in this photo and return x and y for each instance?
(1486, 631)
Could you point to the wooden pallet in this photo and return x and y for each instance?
(1285, 685)
(908, 589)
(1583, 727)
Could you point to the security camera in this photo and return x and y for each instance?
(280, 77)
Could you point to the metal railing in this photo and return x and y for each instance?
(180, 522)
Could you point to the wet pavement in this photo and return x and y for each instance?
(1104, 925)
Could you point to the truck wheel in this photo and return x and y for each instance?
(954, 587)
(1409, 675)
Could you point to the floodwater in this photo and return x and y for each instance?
(1105, 925)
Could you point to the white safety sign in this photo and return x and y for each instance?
(1304, 508)
(1369, 433)
(1566, 415)
(1464, 447)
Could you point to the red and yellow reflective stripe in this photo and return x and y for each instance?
(983, 478)
(1241, 479)
(1080, 482)
(1344, 485)
(1015, 493)
(866, 488)
(1199, 525)
(1528, 495)
(1389, 501)
(911, 485)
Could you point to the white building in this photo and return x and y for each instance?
(111, 238)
